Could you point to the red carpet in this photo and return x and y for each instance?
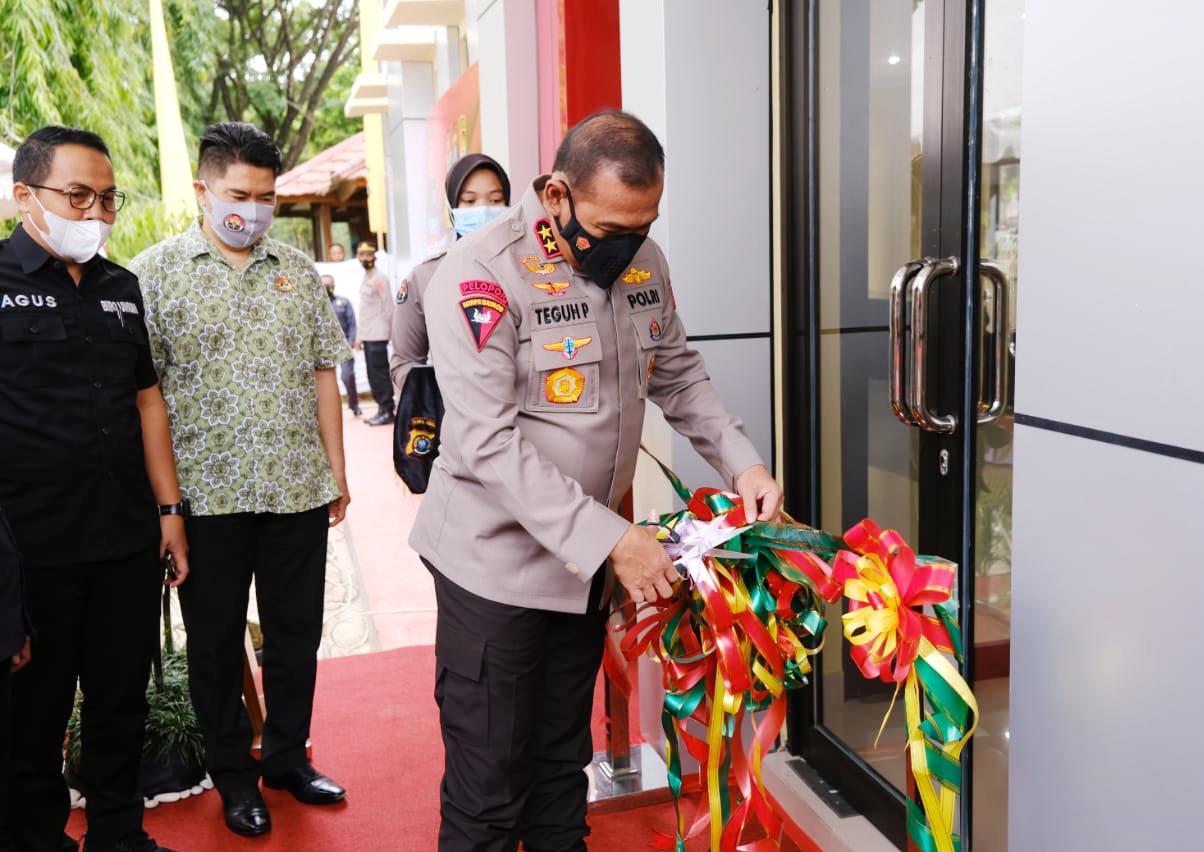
(381, 741)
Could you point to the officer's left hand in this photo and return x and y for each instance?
(760, 493)
(173, 541)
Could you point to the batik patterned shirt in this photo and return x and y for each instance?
(236, 352)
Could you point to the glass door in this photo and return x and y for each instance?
(902, 130)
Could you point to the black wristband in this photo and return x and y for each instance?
(180, 508)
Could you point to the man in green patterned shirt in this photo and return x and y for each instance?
(245, 343)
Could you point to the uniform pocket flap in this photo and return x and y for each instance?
(553, 348)
(31, 328)
(464, 655)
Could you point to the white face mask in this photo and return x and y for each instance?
(74, 240)
(238, 224)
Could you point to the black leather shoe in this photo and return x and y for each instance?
(307, 785)
(382, 418)
(246, 813)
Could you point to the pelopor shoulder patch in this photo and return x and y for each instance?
(484, 304)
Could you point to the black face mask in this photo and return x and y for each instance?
(367, 264)
(602, 259)
(330, 293)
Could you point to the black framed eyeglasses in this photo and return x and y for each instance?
(82, 197)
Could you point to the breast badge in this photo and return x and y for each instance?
(403, 292)
(636, 276)
(283, 284)
(569, 346)
(420, 441)
(484, 306)
(539, 267)
(654, 331)
(552, 288)
(564, 386)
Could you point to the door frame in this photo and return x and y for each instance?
(951, 173)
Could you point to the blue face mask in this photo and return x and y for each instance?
(467, 219)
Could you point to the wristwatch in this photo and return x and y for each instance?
(180, 508)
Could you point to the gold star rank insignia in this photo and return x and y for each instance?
(636, 276)
(552, 288)
(547, 239)
(569, 346)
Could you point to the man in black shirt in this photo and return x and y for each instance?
(87, 454)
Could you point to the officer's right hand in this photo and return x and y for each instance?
(642, 566)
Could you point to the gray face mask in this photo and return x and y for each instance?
(238, 224)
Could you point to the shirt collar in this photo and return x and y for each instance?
(30, 253)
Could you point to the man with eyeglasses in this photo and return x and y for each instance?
(87, 455)
(246, 342)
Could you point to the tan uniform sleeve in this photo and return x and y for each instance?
(480, 440)
(680, 386)
(408, 337)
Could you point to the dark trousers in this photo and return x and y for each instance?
(347, 374)
(98, 622)
(376, 359)
(515, 692)
(286, 555)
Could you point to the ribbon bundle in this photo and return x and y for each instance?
(744, 633)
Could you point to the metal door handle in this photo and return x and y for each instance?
(897, 327)
(917, 386)
(997, 279)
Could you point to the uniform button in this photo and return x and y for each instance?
(514, 226)
(572, 567)
(88, 339)
(104, 430)
(98, 384)
(33, 329)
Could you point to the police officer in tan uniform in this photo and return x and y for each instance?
(375, 323)
(549, 329)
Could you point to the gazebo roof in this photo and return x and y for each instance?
(332, 175)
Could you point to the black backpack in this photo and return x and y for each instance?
(416, 428)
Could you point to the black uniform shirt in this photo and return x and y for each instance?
(72, 359)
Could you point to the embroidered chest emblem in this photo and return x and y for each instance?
(654, 331)
(539, 267)
(564, 386)
(552, 288)
(547, 239)
(569, 347)
(636, 276)
(484, 306)
(283, 284)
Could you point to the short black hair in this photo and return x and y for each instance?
(228, 142)
(610, 139)
(32, 161)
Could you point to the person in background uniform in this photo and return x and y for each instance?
(87, 455)
(478, 191)
(376, 318)
(346, 316)
(549, 329)
(246, 342)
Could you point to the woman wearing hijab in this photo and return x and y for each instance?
(478, 190)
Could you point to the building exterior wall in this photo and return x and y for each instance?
(1105, 696)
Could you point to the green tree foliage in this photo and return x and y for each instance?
(285, 65)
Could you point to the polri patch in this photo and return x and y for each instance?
(564, 386)
(421, 438)
(403, 292)
(484, 306)
(547, 239)
(654, 331)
